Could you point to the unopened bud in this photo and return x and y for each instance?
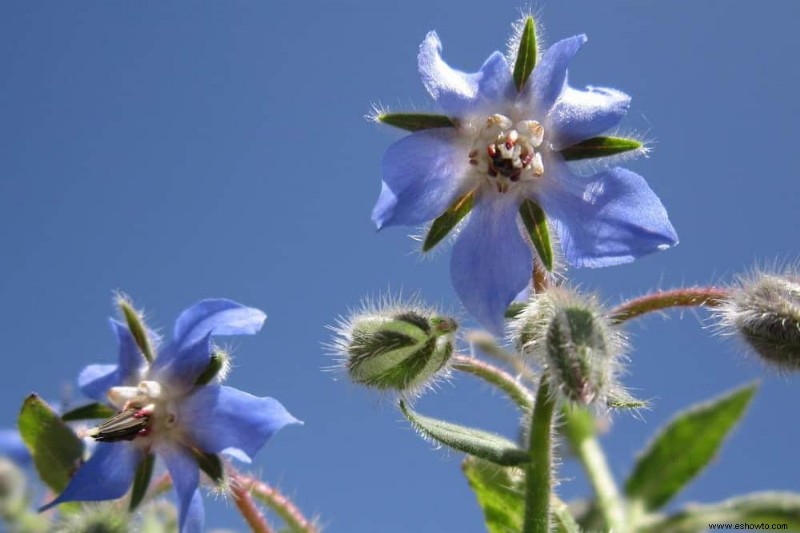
(96, 518)
(13, 488)
(396, 348)
(765, 311)
(569, 336)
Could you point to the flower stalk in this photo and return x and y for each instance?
(496, 377)
(248, 508)
(283, 506)
(538, 478)
(658, 301)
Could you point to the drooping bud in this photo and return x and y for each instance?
(569, 336)
(395, 347)
(765, 311)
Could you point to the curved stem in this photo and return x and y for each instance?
(538, 478)
(496, 377)
(279, 503)
(240, 488)
(657, 301)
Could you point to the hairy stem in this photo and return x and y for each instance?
(579, 430)
(279, 503)
(657, 301)
(496, 377)
(538, 476)
(244, 502)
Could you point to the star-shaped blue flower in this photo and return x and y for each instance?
(504, 149)
(175, 415)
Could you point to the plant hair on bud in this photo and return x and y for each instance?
(392, 345)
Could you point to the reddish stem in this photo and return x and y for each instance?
(657, 301)
(279, 503)
(240, 488)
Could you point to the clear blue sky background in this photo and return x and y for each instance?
(184, 150)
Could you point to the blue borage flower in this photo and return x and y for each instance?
(176, 417)
(504, 149)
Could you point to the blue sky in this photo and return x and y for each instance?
(185, 150)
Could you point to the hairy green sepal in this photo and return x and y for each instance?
(445, 222)
(536, 223)
(489, 446)
(600, 147)
(415, 121)
(141, 480)
(526, 54)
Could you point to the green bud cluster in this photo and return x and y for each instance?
(399, 348)
(765, 311)
(572, 340)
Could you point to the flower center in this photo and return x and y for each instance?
(144, 410)
(505, 152)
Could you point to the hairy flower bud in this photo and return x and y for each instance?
(394, 347)
(96, 518)
(570, 337)
(765, 311)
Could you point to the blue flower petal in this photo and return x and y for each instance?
(223, 419)
(12, 446)
(491, 262)
(107, 475)
(421, 177)
(217, 316)
(456, 92)
(182, 370)
(185, 476)
(95, 380)
(580, 115)
(607, 219)
(550, 74)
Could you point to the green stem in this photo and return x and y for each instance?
(495, 377)
(657, 301)
(594, 462)
(538, 475)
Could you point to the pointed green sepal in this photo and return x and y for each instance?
(56, 450)
(489, 446)
(514, 308)
(536, 223)
(415, 121)
(600, 147)
(218, 364)
(684, 447)
(90, 411)
(211, 465)
(499, 492)
(137, 329)
(526, 55)
(622, 400)
(766, 508)
(141, 481)
(445, 222)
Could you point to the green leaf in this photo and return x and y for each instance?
(684, 447)
(90, 411)
(536, 223)
(141, 481)
(526, 55)
(500, 494)
(771, 508)
(489, 446)
(448, 220)
(57, 452)
(211, 464)
(415, 121)
(600, 147)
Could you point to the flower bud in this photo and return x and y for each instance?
(96, 518)
(569, 336)
(400, 348)
(765, 311)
